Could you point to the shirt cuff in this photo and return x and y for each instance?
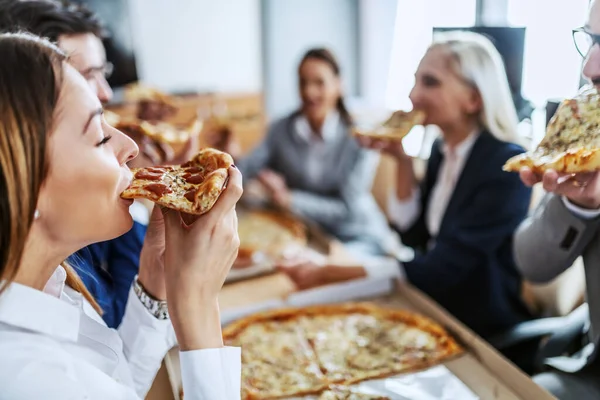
(579, 211)
(211, 373)
(146, 341)
(404, 213)
(384, 267)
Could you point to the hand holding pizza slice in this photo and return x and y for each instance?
(191, 188)
(572, 141)
(395, 128)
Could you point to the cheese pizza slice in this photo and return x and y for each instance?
(572, 141)
(396, 127)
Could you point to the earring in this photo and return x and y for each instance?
(36, 214)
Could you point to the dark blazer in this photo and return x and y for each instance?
(108, 268)
(470, 269)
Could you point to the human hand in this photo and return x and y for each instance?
(582, 189)
(392, 148)
(198, 258)
(277, 188)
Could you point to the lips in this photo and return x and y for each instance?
(128, 182)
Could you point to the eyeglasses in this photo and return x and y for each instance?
(584, 41)
(106, 71)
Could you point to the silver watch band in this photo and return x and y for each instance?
(158, 308)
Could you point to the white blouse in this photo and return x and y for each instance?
(405, 213)
(54, 345)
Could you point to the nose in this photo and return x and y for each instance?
(415, 96)
(126, 149)
(591, 68)
(103, 90)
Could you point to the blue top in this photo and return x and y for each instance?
(108, 268)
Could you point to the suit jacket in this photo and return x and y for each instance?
(108, 269)
(341, 202)
(470, 269)
(546, 244)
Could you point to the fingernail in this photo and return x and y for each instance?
(233, 166)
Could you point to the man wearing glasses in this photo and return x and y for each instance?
(565, 226)
(109, 268)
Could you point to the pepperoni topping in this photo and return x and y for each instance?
(158, 189)
(194, 170)
(148, 175)
(191, 195)
(194, 179)
(158, 169)
(187, 164)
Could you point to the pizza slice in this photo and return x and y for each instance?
(396, 127)
(192, 188)
(160, 131)
(152, 104)
(572, 141)
(343, 393)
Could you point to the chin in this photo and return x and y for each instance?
(120, 225)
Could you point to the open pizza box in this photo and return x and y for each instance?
(317, 247)
(479, 373)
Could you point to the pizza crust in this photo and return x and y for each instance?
(567, 162)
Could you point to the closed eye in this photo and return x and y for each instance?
(104, 140)
(430, 81)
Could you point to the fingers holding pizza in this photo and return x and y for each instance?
(582, 189)
(201, 240)
(197, 261)
(567, 161)
(387, 138)
(390, 147)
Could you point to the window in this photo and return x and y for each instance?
(552, 66)
(412, 36)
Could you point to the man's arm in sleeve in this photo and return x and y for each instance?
(549, 241)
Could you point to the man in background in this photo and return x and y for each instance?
(109, 268)
(566, 225)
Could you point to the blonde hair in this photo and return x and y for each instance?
(476, 60)
(31, 76)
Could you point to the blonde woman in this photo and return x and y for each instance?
(460, 219)
(62, 169)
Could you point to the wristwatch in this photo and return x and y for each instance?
(158, 308)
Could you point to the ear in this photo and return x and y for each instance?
(474, 102)
(339, 86)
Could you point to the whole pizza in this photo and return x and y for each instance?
(572, 141)
(322, 350)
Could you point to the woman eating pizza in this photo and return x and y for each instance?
(311, 165)
(63, 172)
(461, 218)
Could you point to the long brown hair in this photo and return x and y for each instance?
(325, 55)
(30, 82)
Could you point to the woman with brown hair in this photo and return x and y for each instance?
(62, 171)
(311, 165)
